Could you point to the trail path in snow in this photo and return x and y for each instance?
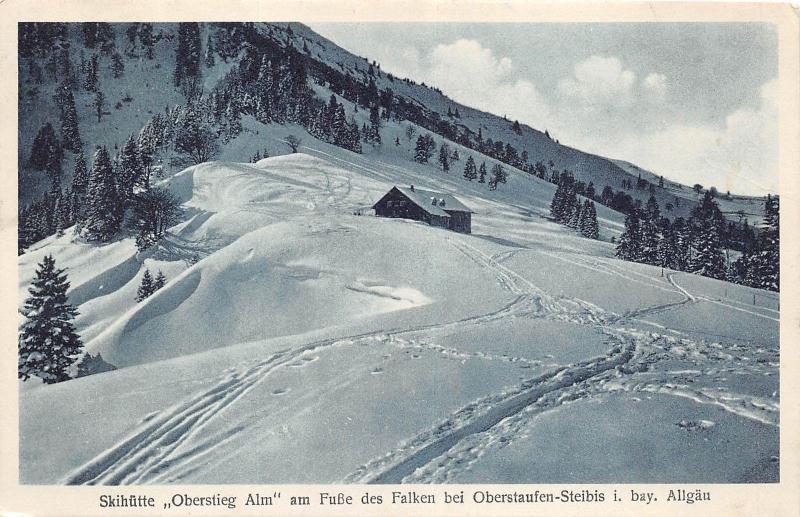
(148, 454)
(440, 453)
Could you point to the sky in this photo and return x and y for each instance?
(695, 102)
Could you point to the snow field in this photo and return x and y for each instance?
(393, 350)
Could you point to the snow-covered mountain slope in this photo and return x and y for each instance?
(146, 88)
(298, 342)
(586, 167)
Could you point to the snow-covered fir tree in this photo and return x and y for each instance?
(760, 266)
(70, 134)
(92, 68)
(575, 215)
(374, 126)
(104, 209)
(565, 200)
(444, 157)
(130, 172)
(470, 171)
(708, 259)
(588, 223)
(147, 146)
(666, 254)
(423, 150)
(682, 248)
(80, 187)
(63, 213)
(146, 286)
(48, 343)
(629, 246)
(650, 231)
(160, 281)
(498, 176)
(482, 173)
(187, 53)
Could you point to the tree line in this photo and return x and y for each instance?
(701, 243)
(568, 209)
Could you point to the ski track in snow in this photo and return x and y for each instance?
(171, 443)
(148, 454)
(455, 444)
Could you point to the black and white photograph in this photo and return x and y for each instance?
(398, 252)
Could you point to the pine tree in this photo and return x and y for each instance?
(574, 221)
(557, 203)
(482, 173)
(92, 68)
(146, 287)
(424, 148)
(565, 201)
(650, 232)
(63, 213)
(665, 250)
(709, 260)
(48, 343)
(588, 222)
(708, 225)
(768, 262)
(160, 281)
(104, 210)
(682, 247)
(131, 172)
(70, 134)
(375, 125)
(470, 171)
(353, 140)
(444, 157)
(147, 144)
(187, 53)
(233, 117)
(760, 266)
(498, 176)
(339, 128)
(629, 246)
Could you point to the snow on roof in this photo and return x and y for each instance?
(424, 199)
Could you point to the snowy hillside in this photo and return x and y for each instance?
(290, 329)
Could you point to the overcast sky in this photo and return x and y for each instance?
(693, 101)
